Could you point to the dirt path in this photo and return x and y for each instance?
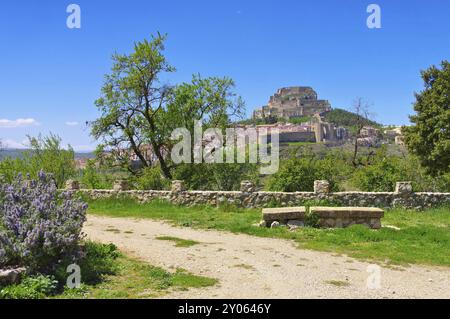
(253, 267)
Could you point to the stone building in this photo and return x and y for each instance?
(292, 102)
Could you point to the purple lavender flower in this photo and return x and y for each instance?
(38, 224)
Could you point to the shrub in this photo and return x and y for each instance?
(37, 287)
(151, 179)
(46, 154)
(38, 225)
(92, 178)
(98, 260)
(384, 170)
(216, 176)
(299, 174)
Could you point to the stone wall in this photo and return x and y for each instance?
(248, 197)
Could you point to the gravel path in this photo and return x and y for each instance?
(254, 267)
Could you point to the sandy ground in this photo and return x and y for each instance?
(253, 267)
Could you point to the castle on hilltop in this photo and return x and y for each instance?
(292, 102)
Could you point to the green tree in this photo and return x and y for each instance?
(47, 154)
(131, 98)
(429, 137)
(137, 110)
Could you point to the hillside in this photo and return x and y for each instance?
(345, 118)
(15, 153)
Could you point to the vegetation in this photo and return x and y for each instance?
(218, 176)
(299, 120)
(150, 178)
(106, 273)
(138, 112)
(347, 119)
(299, 173)
(45, 154)
(39, 227)
(429, 137)
(179, 242)
(378, 171)
(93, 177)
(423, 238)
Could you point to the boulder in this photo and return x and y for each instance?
(11, 276)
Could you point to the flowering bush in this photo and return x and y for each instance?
(39, 226)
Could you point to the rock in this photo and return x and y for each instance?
(72, 184)
(275, 224)
(120, 185)
(294, 224)
(247, 187)
(321, 187)
(11, 276)
(178, 186)
(403, 187)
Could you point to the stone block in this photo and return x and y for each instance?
(285, 213)
(321, 187)
(348, 212)
(403, 188)
(72, 184)
(247, 187)
(11, 276)
(178, 186)
(346, 216)
(120, 185)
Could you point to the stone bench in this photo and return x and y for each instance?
(283, 215)
(338, 217)
(328, 217)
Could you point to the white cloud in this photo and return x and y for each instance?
(13, 144)
(5, 123)
(73, 123)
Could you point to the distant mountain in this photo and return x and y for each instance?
(15, 153)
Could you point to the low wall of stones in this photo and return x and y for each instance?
(249, 197)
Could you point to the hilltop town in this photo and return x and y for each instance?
(300, 116)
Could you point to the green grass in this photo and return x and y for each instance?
(179, 242)
(423, 238)
(135, 279)
(299, 143)
(106, 273)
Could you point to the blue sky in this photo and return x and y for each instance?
(50, 75)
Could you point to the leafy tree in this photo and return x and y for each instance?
(47, 154)
(137, 110)
(131, 97)
(429, 137)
